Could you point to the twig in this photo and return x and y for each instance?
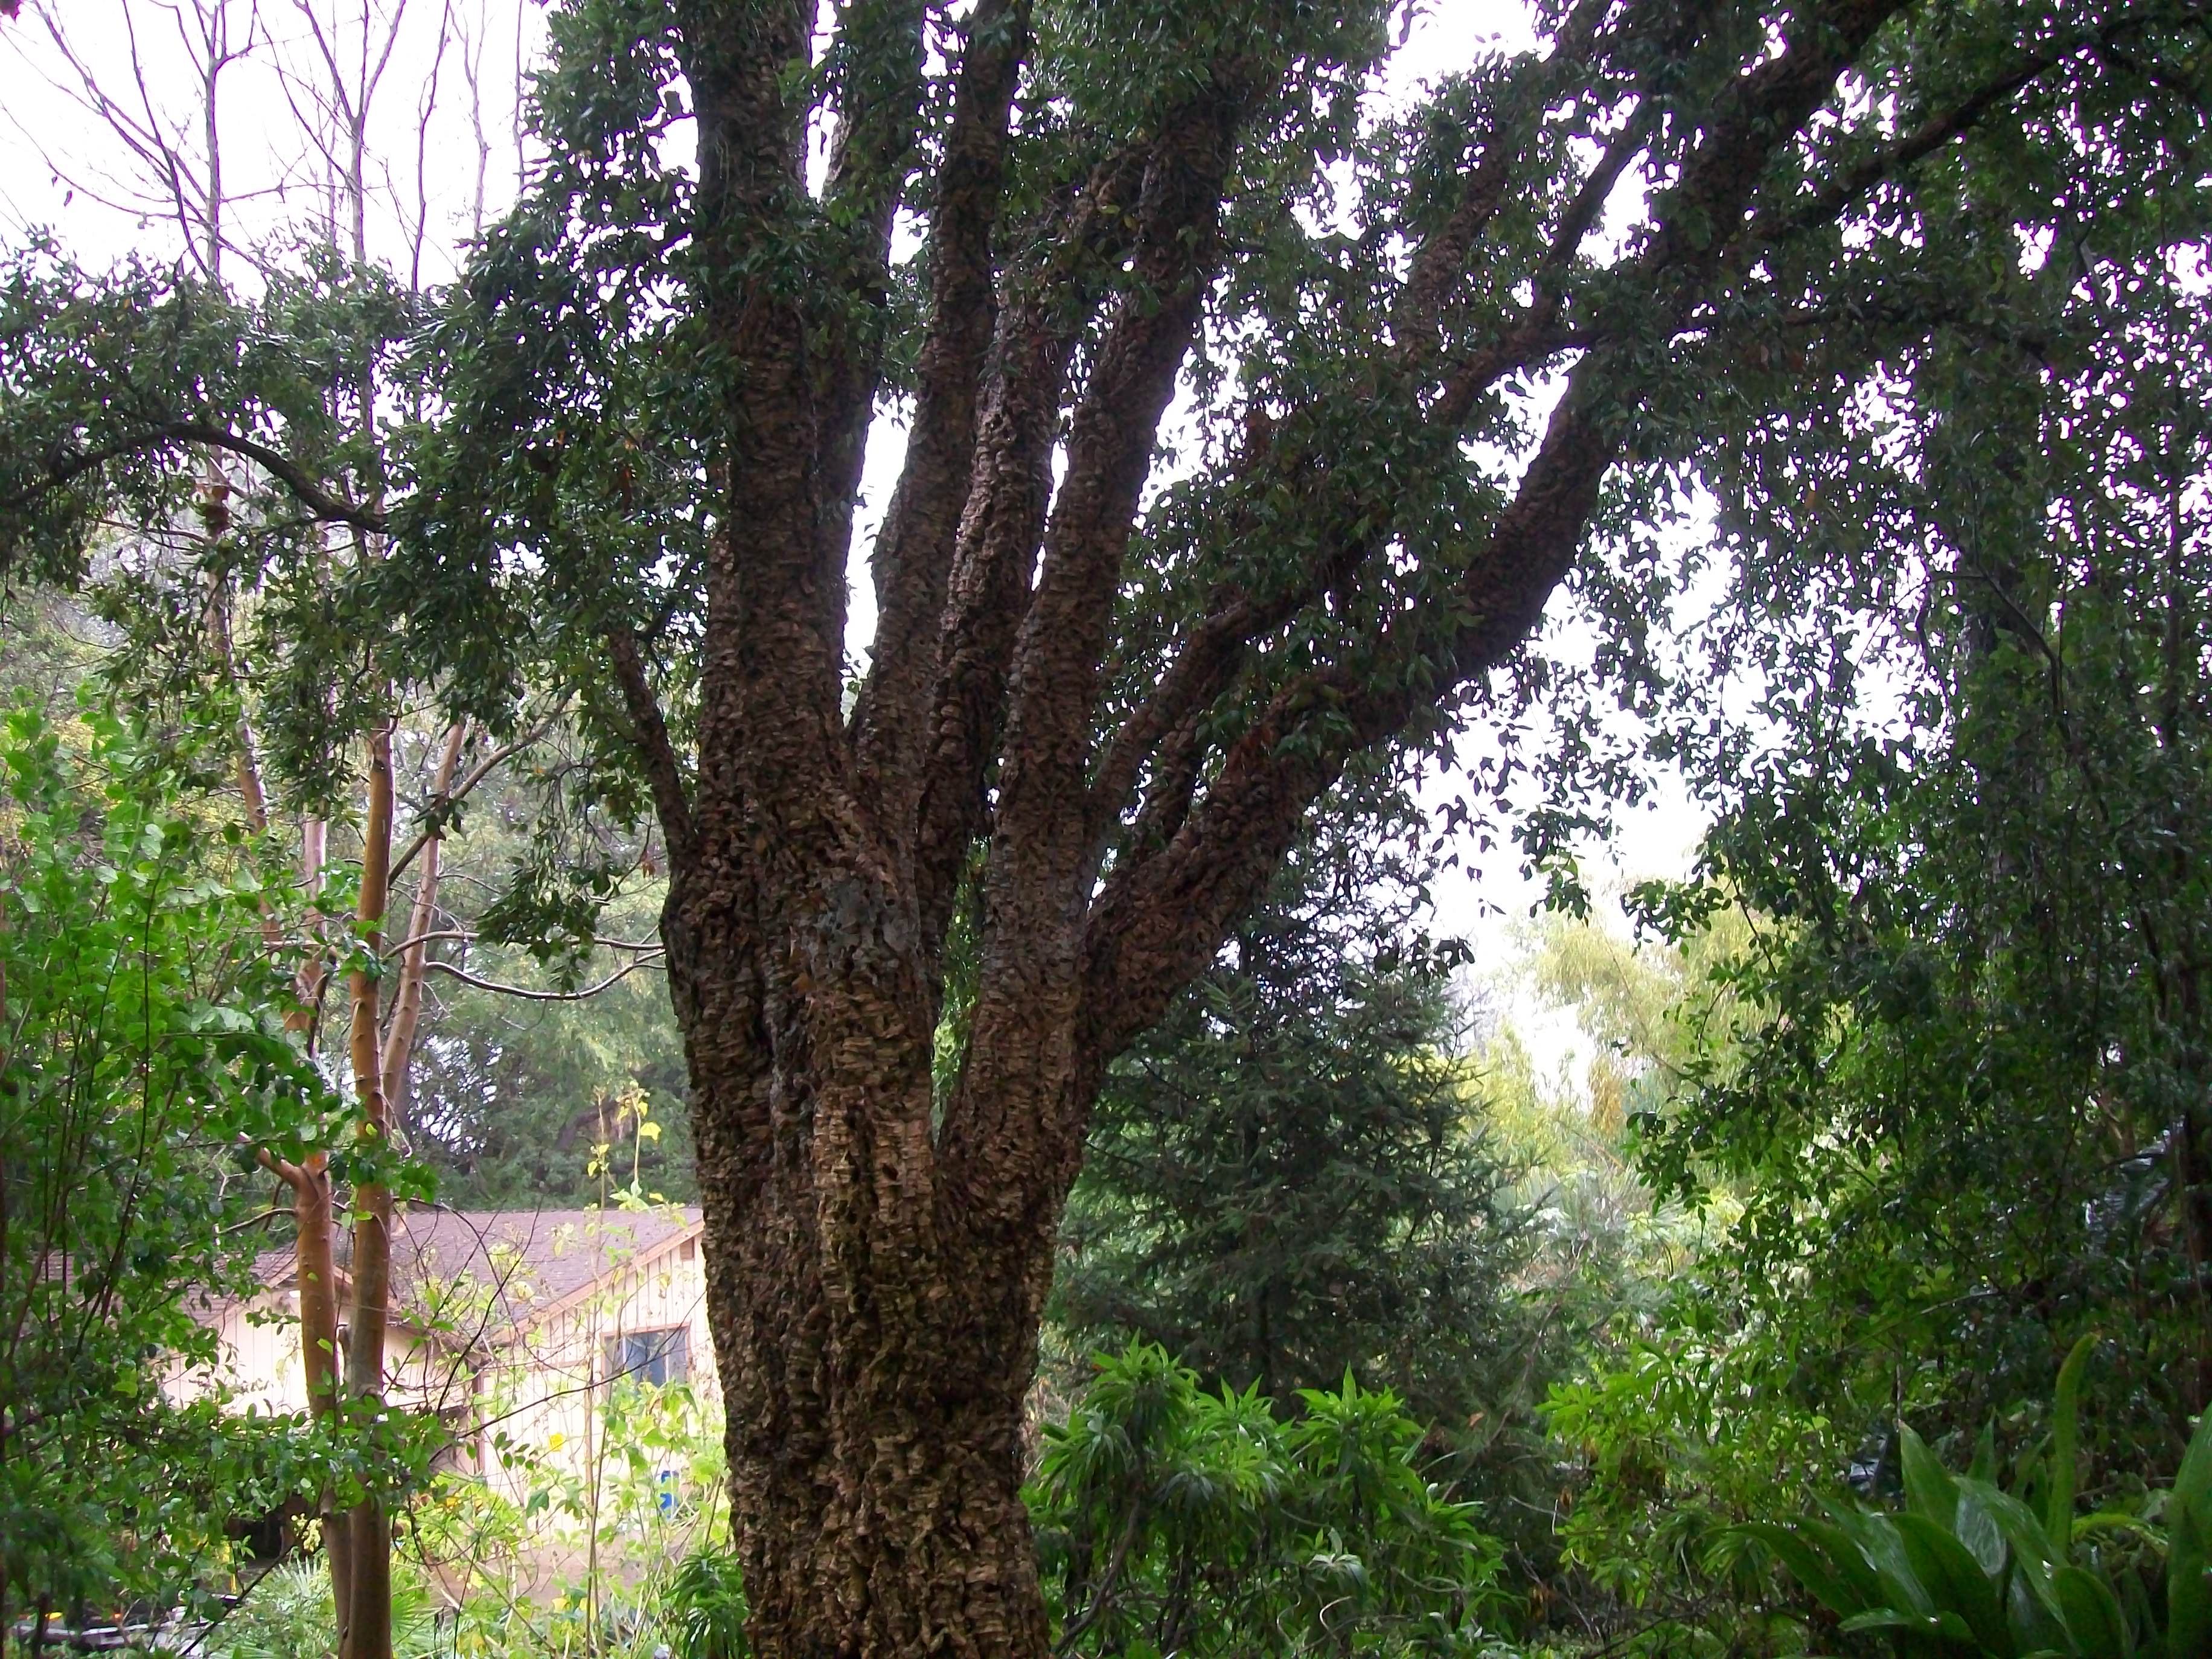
(528, 995)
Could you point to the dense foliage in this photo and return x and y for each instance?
(1288, 1180)
(1972, 1569)
(141, 1047)
(1173, 1520)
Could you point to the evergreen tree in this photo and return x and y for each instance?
(1283, 1184)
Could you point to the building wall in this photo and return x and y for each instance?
(259, 1339)
(540, 1400)
(529, 1414)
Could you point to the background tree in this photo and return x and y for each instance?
(209, 588)
(1287, 1180)
(1962, 1127)
(1975, 1089)
(1108, 706)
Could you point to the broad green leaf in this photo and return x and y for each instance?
(2093, 1619)
(1813, 1567)
(1891, 1618)
(2192, 1482)
(2059, 1503)
(2021, 1527)
(2032, 1613)
(1977, 1529)
(2188, 1579)
(1929, 1489)
(1876, 1537)
(1985, 1466)
(1955, 1581)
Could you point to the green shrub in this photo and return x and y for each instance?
(1169, 1520)
(1966, 1570)
(703, 1611)
(286, 1613)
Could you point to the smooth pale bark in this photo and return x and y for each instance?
(365, 1632)
(344, 1378)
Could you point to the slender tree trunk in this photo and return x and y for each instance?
(367, 1628)
(315, 1260)
(422, 917)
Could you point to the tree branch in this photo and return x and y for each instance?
(879, 50)
(1784, 218)
(1163, 912)
(913, 553)
(1030, 965)
(62, 468)
(529, 996)
(441, 801)
(987, 594)
(664, 770)
(1442, 256)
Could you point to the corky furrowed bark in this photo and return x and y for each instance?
(875, 1402)
(879, 49)
(913, 555)
(792, 948)
(1002, 524)
(876, 1285)
(1005, 1143)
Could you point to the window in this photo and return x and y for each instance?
(654, 1356)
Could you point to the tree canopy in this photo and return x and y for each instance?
(1252, 424)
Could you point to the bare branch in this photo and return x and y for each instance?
(469, 936)
(529, 996)
(483, 769)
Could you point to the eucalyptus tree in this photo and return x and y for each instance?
(1416, 371)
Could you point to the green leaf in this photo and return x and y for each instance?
(1977, 1529)
(2093, 1614)
(1985, 1466)
(1891, 1618)
(1955, 1581)
(1877, 1538)
(1928, 1488)
(2188, 1582)
(2192, 1482)
(2058, 1510)
(1812, 1566)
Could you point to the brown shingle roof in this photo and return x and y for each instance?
(480, 1272)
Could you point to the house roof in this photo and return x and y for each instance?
(476, 1273)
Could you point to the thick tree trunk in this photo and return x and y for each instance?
(875, 1327)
